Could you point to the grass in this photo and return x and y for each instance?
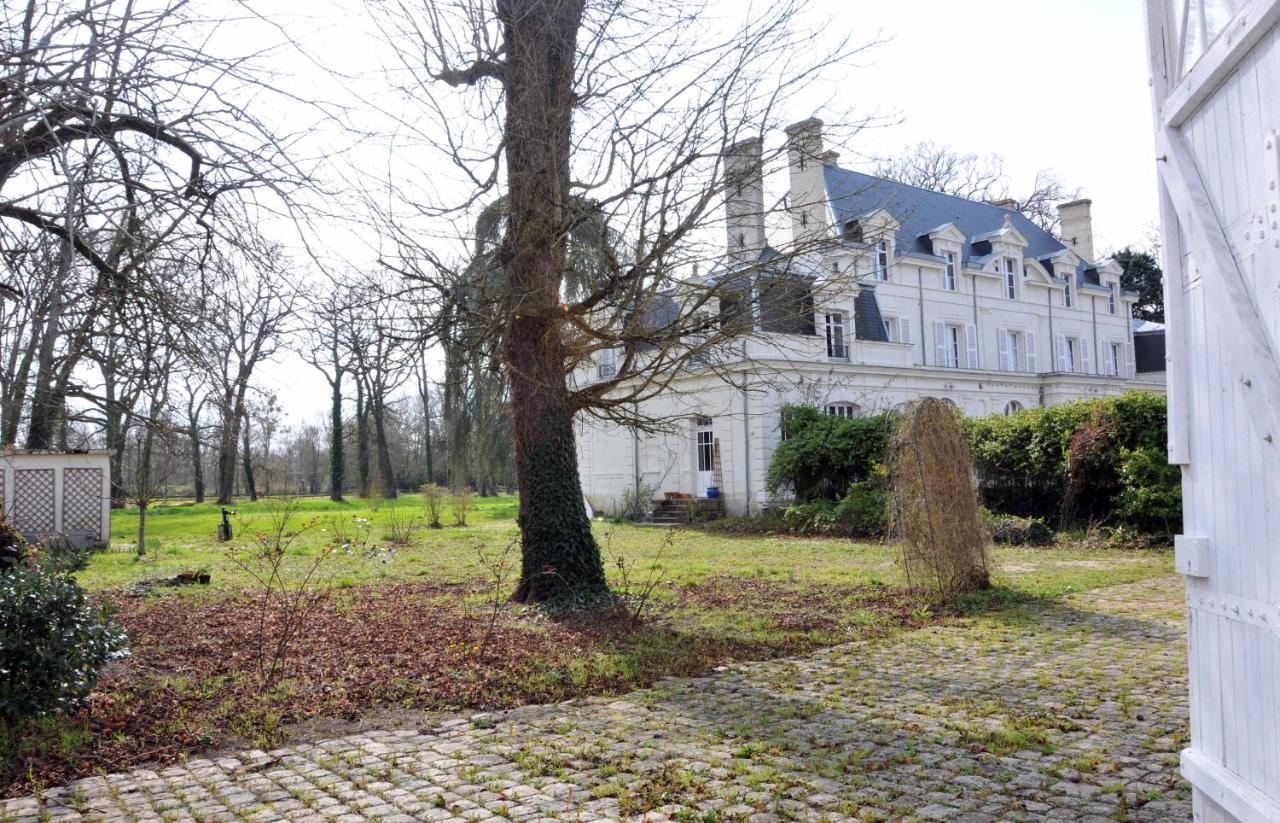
(417, 626)
(450, 555)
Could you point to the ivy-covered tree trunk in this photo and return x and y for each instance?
(362, 440)
(337, 463)
(386, 472)
(559, 555)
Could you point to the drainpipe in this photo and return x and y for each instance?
(635, 449)
(924, 361)
(1053, 346)
(746, 436)
(1097, 353)
(976, 328)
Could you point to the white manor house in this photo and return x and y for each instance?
(968, 301)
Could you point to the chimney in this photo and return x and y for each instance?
(1076, 227)
(808, 196)
(1007, 203)
(744, 201)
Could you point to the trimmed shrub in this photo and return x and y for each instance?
(860, 513)
(823, 455)
(53, 643)
(1064, 464)
(1150, 490)
(864, 511)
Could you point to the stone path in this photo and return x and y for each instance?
(1074, 711)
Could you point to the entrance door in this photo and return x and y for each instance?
(704, 446)
(1215, 71)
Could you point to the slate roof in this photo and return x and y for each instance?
(854, 195)
(868, 323)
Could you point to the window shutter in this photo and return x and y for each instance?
(971, 343)
(1110, 361)
(1085, 360)
(904, 329)
(1003, 337)
(939, 344)
(1062, 353)
(1130, 369)
(1031, 352)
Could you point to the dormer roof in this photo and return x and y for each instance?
(921, 212)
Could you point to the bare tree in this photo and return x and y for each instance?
(383, 351)
(249, 313)
(325, 347)
(933, 166)
(615, 115)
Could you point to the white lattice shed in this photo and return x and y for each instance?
(54, 493)
(1215, 68)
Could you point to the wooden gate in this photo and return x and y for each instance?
(1215, 72)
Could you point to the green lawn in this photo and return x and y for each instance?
(182, 538)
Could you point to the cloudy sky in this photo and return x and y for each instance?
(1043, 84)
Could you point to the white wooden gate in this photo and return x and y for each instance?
(1215, 69)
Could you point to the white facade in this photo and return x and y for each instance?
(46, 494)
(914, 294)
(1215, 70)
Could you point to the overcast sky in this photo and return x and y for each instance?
(1041, 83)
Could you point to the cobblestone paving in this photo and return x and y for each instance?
(1074, 711)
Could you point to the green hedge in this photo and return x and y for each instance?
(1082, 462)
(1089, 461)
(823, 455)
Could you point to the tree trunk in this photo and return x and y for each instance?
(197, 467)
(247, 457)
(559, 555)
(228, 442)
(424, 391)
(386, 473)
(362, 440)
(337, 463)
(141, 548)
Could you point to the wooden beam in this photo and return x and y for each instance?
(1177, 318)
(1249, 25)
(1255, 360)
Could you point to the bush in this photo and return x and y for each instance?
(53, 643)
(433, 499)
(12, 547)
(1150, 490)
(860, 513)
(864, 511)
(824, 455)
(1065, 464)
(460, 503)
(1018, 531)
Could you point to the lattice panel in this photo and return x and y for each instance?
(81, 501)
(33, 511)
(4, 500)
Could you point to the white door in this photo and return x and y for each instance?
(705, 454)
(1215, 70)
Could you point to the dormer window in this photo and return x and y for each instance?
(804, 219)
(949, 271)
(1111, 298)
(742, 240)
(1066, 295)
(1010, 279)
(835, 266)
(882, 260)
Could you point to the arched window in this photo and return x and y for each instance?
(843, 409)
(1012, 407)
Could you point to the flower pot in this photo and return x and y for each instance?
(713, 492)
